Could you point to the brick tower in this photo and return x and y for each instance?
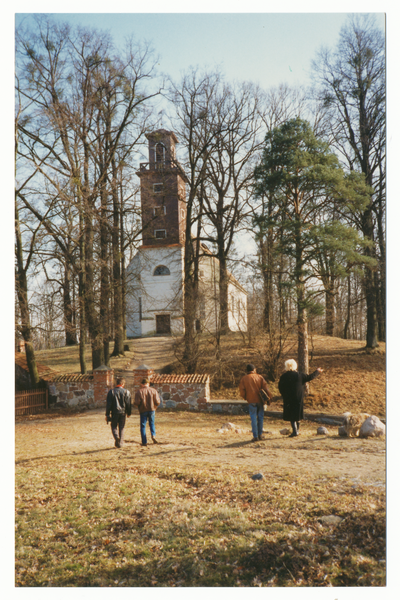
(155, 299)
(163, 192)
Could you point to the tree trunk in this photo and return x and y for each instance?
(190, 344)
(330, 309)
(369, 278)
(381, 281)
(302, 337)
(123, 271)
(81, 290)
(265, 254)
(116, 253)
(189, 305)
(70, 330)
(347, 323)
(223, 295)
(82, 323)
(94, 324)
(369, 285)
(104, 277)
(22, 294)
(302, 323)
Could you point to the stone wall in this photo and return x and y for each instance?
(230, 407)
(71, 391)
(183, 392)
(80, 391)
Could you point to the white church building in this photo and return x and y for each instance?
(155, 276)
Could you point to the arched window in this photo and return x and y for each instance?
(160, 153)
(161, 270)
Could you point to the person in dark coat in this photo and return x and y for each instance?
(118, 407)
(292, 391)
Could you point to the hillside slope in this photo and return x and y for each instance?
(353, 379)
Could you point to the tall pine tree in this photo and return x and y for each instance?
(301, 179)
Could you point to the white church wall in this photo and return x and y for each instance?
(237, 303)
(209, 298)
(150, 295)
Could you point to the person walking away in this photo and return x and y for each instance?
(292, 391)
(118, 407)
(147, 401)
(249, 388)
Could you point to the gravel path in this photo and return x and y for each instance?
(191, 439)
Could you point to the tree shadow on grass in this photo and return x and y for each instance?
(246, 443)
(50, 456)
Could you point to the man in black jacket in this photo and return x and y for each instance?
(118, 408)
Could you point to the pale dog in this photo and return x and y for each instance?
(352, 423)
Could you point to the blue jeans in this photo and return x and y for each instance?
(150, 415)
(256, 412)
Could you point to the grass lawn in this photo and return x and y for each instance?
(186, 512)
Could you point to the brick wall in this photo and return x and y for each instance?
(140, 373)
(103, 381)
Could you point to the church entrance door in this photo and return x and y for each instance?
(163, 324)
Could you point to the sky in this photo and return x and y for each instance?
(249, 41)
(268, 48)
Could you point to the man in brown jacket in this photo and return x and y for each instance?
(147, 400)
(249, 388)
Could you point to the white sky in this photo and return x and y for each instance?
(268, 47)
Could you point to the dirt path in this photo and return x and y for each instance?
(155, 352)
(191, 440)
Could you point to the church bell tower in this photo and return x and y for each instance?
(163, 192)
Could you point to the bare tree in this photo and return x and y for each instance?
(351, 84)
(229, 175)
(193, 100)
(83, 102)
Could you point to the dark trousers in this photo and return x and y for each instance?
(295, 426)
(118, 427)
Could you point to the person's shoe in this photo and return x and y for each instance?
(144, 444)
(255, 439)
(117, 443)
(261, 437)
(293, 434)
(154, 440)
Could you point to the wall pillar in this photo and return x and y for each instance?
(140, 373)
(103, 381)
